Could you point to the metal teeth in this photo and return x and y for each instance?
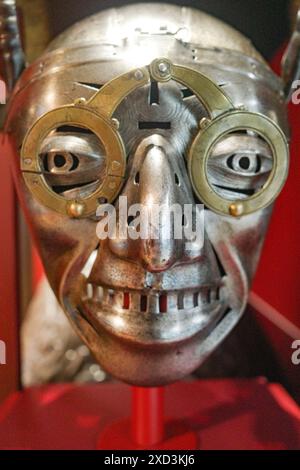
(135, 301)
(89, 291)
(153, 303)
(188, 300)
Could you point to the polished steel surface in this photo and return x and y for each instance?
(150, 311)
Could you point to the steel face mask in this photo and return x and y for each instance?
(96, 116)
(203, 124)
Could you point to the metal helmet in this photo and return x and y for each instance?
(162, 105)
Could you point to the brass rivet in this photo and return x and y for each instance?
(204, 123)
(28, 161)
(80, 101)
(163, 68)
(236, 209)
(138, 75)
(115, 123)
(115, 166)
(75, 209)
(102, 200)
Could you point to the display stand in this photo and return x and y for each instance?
(147, 428)
(222, 414)
(147, 419)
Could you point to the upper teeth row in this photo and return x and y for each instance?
(152, 302)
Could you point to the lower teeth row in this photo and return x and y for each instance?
(154, 303)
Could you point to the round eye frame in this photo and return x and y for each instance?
(96, 116)
(215, 131)
(115, 155)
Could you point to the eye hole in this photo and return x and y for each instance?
(245, 163)
(60, 162)
(73, 162)
(239, 165)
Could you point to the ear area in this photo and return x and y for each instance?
(290, 64)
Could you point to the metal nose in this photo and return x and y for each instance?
(157, 194)
(156, 183)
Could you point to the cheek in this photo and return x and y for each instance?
(243, 238)
(61, 241)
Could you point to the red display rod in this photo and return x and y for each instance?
(147, 415)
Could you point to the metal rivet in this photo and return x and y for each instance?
(28, 161)
(163, 67)
(115, 123)
(80, 101)
(204, 122)
(102, 200)
(138, 75)
(75, 209)
(236, 209)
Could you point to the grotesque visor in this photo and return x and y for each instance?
(103, 118)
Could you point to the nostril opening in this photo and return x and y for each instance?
(126, 301)
(177, 179)
(163, 303)
(143, 303)
(137, 178)
(218, 293)
(195, 299)
(180, 301)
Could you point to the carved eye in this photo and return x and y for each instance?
(239, 165)
(246, 163)
(73, 162)
(61, 162)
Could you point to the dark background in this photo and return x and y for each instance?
(265, 22)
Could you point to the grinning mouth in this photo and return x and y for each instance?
(148, 317)
(148, 335)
